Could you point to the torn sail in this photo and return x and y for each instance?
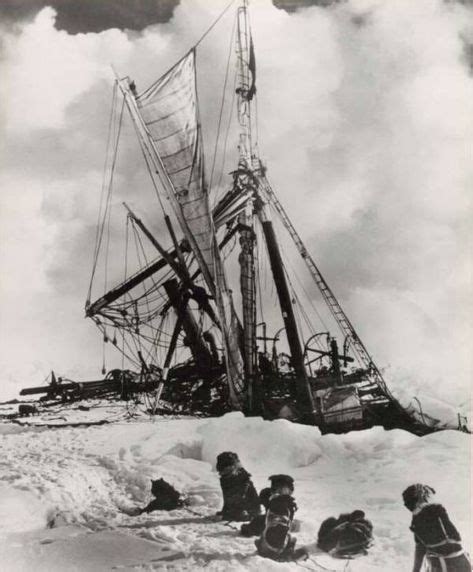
(169, 111)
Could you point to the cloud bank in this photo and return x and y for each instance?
(364, 114)
(83, 17)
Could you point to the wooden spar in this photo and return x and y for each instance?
(96, 385)
(226, 239)
(169, 355)
(248, 292)
(181, 272)
(142, 275)
(335, 361)
(172, 346)
(198, 347)
(244, 182)
(177, 246)
(343, 357)
(126, 286)
(304, 394)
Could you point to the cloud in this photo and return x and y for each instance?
(367, 125)
(97, 16)
(293, 5)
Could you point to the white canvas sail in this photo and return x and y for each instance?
(169, 112)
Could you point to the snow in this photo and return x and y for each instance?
(78, 484)
(432, 410)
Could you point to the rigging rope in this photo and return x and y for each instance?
(301, 284)
(102, 193)
(224, 151)
(215, 22)
(101, 226)
(106, 214)
(222, 104)
(139, 242)
(146, 155)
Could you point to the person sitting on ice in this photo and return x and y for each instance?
(240, 499)
(166, 498)
(437, 541)
(348, 535)
(280, 485)
(276, 541)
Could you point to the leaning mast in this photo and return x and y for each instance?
(243, 183)
(248, 178)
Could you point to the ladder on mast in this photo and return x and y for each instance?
(333, 304)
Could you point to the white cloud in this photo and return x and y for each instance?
(46, 70)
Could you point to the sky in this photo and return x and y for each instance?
(364, 115)
(81, 17)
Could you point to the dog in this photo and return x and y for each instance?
(276, 541)
(240, 499)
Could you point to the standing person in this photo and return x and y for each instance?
(437, 540)
(240, 499)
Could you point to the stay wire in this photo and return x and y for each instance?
(152, 174)
(215, 22)
(224, 152)
(102, 193)
(139, 244)
(107, 249)
(230, 51)
(309, 299)
(102, 216)
(107, 212)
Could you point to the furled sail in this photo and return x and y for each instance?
(169, 111)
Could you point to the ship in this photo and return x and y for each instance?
(211, 316)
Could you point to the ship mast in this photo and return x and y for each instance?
(244, 183)
(247, 178)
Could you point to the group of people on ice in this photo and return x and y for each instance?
(269, 516)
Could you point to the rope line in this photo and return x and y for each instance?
(215, 22)
(230, 51)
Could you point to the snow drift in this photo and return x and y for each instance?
(91, 477)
